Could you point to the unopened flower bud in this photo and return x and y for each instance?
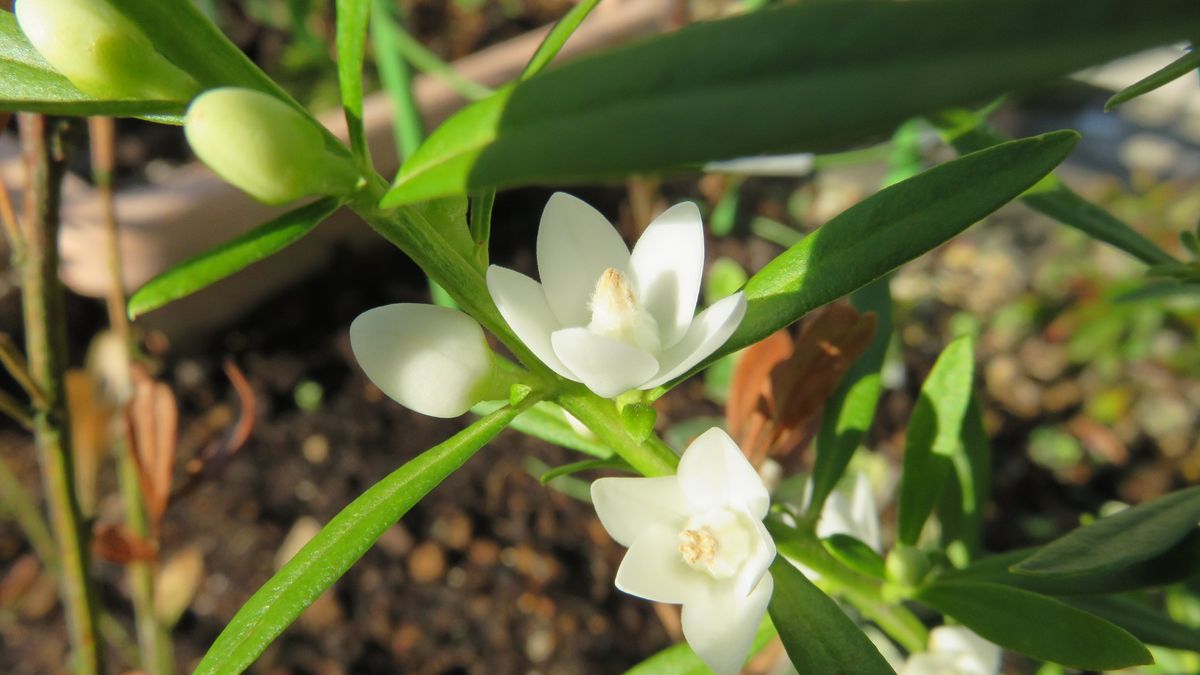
(434, 360)
(101, 52)
(264, 146)
(906, 565)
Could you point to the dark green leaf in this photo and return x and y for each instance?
(28, 83)
(1178, 563)
(889, 229)
(351, 47)
(960, 510)
(855, 554)
(342, 542)
(211, 266)
(848, 415)
(1036, 625)
(780, 80)
(557, 37)
(1146, 623)
(934, 436)
(679, 659)
(968, 131)
(1119, 541)
(1184, 65)
(820, 639)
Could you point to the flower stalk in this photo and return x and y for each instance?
(45, 337)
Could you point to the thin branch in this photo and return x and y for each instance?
(14, 362)
(16, 410)
(42, 298)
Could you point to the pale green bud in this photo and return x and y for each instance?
(265, 146)
(906, 566)
(100, 51)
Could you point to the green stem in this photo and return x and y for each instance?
(651, 457)
(427, 62)
(17, 501)
(154, 640)
(45, 338)
(866, 594)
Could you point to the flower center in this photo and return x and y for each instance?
(616, 313)
(717, 542)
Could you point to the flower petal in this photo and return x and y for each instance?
(972, 654)
(709, 330)
(653, 569)
(404, 347)
(575, 244)
(756, 564)
(667, 265)
(608, 367)
(522, 303)
(628, 506)
(720, 625)
(714, 473)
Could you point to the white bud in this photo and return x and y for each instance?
(100, 51)
(434, 360)
(265, 146)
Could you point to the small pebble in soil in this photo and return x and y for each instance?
(427, 563)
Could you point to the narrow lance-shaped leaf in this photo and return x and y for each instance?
(679, 659)
(890, 228)
(211, 266)
(548, 422)
(1121, 540)
(1036, 625)
(960, 510)
(351, 45)
(557, 37)
(28, 83)
(683, 99)
(934, 436)
(1144, 622)
(968, 131)
(817, 634)
(342, 542)
(848, 415)
(1184, 65)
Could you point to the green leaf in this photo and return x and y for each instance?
(1119, 541)
(856, 555)
(557, 37)
(1146, 623)
(817, 634)
(547, 422)
(934, 436)
(781, 80)
(679, 659)
(1184, 65)
(29, 84)
(1178, 563)
(1036, 625)
(968, 131)
(351, 48)
(342, 542)
(585, 465)
(960, 510)
(185, 36)
(890, 228)
(848, 415)
(234, 255)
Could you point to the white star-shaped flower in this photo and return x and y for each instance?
(954, 650)
(697, 539)
(612, 319)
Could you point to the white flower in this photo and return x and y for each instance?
(852, 512)
(612, 319)
(434, 360)
(100, 51)
(954, 650)
(264, 146)
(697, 539)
